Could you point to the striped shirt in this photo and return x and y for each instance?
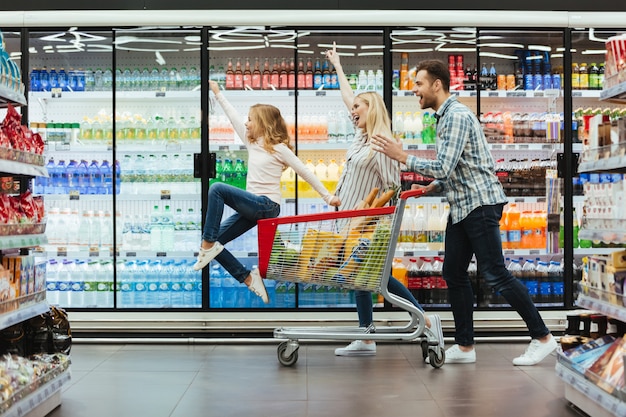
(365, 169)
(463, 165)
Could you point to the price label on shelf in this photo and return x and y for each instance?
(166, 195)
(493, 94)
(161, 254)
(61, 251)
(74, 195)
(94, 251)
(131, 254)
(320, 94)
(55, 92)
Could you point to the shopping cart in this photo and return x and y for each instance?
(350, 249)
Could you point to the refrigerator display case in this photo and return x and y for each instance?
(135, 98)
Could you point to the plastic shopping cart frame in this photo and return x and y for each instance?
(414, 330)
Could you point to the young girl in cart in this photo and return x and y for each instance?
(266, 138)
(366, 169)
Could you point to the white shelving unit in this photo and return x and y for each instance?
(581, 392)
(46, 397)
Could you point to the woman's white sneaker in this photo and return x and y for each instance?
(357, 348)
(207, 255)
(257, 286)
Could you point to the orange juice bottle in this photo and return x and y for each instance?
(504, 230)
(525, 222)
(514, 230)
(399, 271)
(541, 231)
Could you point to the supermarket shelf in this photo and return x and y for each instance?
(83, 253)
(21, 168)
(601, 306)
(8, 96)
(594, 251)
(144, 147)
(612, 163)
(123, 197)
(83, 96)
(615, 94)
(22, 241)
(508, 94)
(10, 318)
(42, 401)
(601, 402)
(606, 235)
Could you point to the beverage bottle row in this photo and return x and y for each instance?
(139, 129)
(587, 77)
(140, 169)
(523, 230)
(544, 280)
(226, 292)
(230, 173)
(523, 177)
(315, 295)
(81, 177)
(136, 79)
(423, 228)
(79, 283)
(425, 281)
(415, 128)
(158, 283)
(89, 228)
(328, 174)
(518, 127)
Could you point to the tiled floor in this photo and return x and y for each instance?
(247, 380)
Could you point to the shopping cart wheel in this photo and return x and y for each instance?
(424, 345)
(436, 361)
(283, 358)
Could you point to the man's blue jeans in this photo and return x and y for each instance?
(365, 305)
(479, 234)
(249, 208)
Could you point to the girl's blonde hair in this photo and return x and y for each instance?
(377, 121)
(271, 125)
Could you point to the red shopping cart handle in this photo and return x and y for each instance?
(405, 195)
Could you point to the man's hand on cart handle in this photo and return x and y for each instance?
(415, 191)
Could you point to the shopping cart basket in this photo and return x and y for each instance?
(351, 249)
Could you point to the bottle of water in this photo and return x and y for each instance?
(127, 289)
(177, 285)
(107, 80)
(52, 282)
(139, 273)
(192, 296)
(156, 229)
(82, 172)
(107, 178)
(75, 294)
(153, 275)
(66, 275)
(168, 273)
(118, 177)
(215, 286)
(193, 229)
(229, 294)
(84, 228)
(154, 79)
(104, 294)
(96, 183)
(167, 230)
(164, 76)
(90, 284)
(180, 229)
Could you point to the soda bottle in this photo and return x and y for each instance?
(414, 279)
(308, 75)
(266, 75)
(514, 232)
(247, 75)
(239, 175)
(318, 80)
(256, 75)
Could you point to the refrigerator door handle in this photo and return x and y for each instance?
(199, 167)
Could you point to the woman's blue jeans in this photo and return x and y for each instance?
(479, 234)
(365, 305)
(248, 207)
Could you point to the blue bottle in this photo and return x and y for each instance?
(53, 79)
(95, 178)
(62, 80)
(118, 177)
(72, 176)
(107, 178)
(215, 286)
(139, 274)
(82, 172)
(44, 80)
(176, 286)
(35, 83)
(60, 178)
(80, 80)
(72, 80)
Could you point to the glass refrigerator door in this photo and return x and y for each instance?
(157, 132)
(70, 105)
(512, 80)
(598, 118)
(251, 66)
(325, 132)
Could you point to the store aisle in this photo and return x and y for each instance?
(248, 381)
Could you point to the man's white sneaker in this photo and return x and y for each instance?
(357, 348)
(456, 355)
(435, 328)
(207, 255)
(536, 352)
(257, 286)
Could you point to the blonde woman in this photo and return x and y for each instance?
(365, 169)
(266, 138)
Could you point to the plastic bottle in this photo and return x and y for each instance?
(420, 237)
(95, 178)
(414, 279)
(177, 286)
(156, 229)
(84, 228)
(104, 294)
(76, 296)
(127, 285)
(399, 271)
(239, 174)
(406, 236)
(426, 271)
(90, 284)
(96, 229)
(514, 234)
(167, 229)
(192, 286)
(168, 274)
(52, 282)
(435, 231)
(152, 283)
